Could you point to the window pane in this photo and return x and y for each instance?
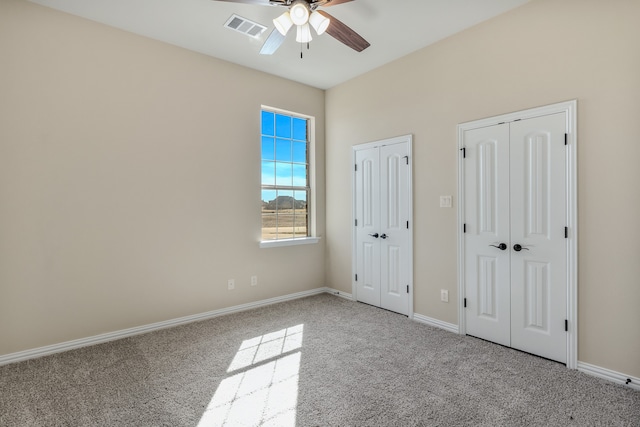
(284, 201)
(283, 150)
(268, 196)
(300, 129)
(299, 175)
(301, 220)
(268, 150)
(269, 226)
(284, 174)
(268, 123)
(285, 226)
(301, 197)
(283, 126)
(301, 226)
(268, 173)
(299, 152)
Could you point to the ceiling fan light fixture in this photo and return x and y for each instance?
(299, 12)
(283, 23)
(319, 22)
(304, 34)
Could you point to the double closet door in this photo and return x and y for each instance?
(382, 209)
(515, 247)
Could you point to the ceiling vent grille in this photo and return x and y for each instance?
(244, 26)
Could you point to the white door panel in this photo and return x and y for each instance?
(394, 262)
(538, 218)
(367, 195)
(487, 223)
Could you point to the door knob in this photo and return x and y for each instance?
(518, 248)
(384, 236)
(374, 235)
(501, 246)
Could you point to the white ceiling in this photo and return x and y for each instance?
(394, 28)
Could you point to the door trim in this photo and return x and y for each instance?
(570, 109)
(408, 139)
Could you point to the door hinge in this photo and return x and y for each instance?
(407, 225)
(356, 223)
(406, 158)
(566, 232)
(464, 152)
(566, 139)
(407, 288)
(464, 228)
(566, 325)
(465, 303)
(356, 277)
(355, 168)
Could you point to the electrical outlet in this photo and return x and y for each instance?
(445, 201)
(254, 280)
(444, 295)
(231, 284)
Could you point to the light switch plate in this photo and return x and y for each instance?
(445, 201)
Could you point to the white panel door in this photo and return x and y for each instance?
(382, 210)
(367, 211)
(515, 259)
(487, 252)
(538, 220)
(394, 237)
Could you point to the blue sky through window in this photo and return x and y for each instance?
(284, 154)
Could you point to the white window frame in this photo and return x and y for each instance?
(311, 202)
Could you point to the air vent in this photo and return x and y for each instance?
(244, 26)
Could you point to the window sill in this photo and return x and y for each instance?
(289, 242)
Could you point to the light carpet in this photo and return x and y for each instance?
(317, 361)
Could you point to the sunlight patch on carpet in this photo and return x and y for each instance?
(265, 394)
(267, 346)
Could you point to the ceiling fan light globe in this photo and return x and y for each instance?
(299, 13)
(319, 22)
(304, 34)
(283, 23)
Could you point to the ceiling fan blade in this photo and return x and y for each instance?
(272, 43)
(327, 3)
(258, 2)
(341, 32)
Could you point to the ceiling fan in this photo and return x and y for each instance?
(305, 14)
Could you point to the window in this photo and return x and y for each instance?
(286, 188)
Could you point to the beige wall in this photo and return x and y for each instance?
(129, 186)
(128, 195)
(544, 52)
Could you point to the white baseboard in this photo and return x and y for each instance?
(20, 356)
(435, 322)
(610, 375)
(340, 294)
(124, 333)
